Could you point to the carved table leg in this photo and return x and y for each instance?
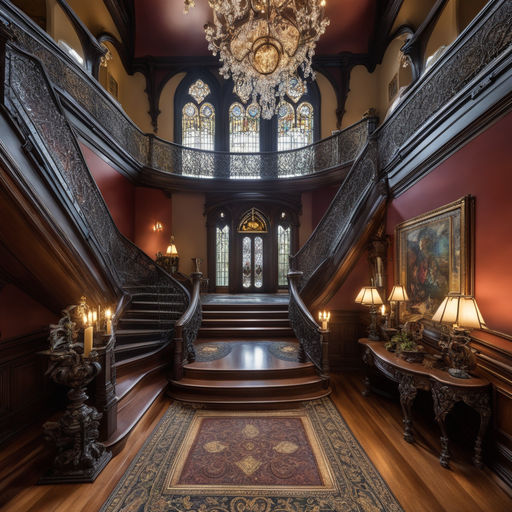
(443, 403)
(408, 392)
(479, 402)
(368, 360)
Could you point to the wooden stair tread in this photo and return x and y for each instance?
(250, 401)
(131, 332)
(129, 415)
(242, 329)
(246, 383)
(121, 347)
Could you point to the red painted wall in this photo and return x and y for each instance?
(320, 200)
(152, 205)
(118, 192)
(483, 169)
(20, 314)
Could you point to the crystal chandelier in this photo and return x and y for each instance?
(262, 44)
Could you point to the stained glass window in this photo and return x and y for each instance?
(222, 256)
(199, 90)
(258, 262)
(294, 128)
(283, 254)
(247, 262)
(244, 128)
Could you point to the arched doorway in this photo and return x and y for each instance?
(249, 243)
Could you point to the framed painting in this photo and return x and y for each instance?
(434, 256)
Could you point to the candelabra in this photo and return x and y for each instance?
(73, 363)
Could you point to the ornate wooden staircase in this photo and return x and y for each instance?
(250, 375)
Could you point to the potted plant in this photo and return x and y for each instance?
(407, 348)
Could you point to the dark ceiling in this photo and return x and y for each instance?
(163, 30)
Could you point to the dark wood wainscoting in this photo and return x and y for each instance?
(25, 393)
(345, 327)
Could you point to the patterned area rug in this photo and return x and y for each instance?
(285, 351)
(211, 351)
(300, 460)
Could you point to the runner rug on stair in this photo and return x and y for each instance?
(300, 460)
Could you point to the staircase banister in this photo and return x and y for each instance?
(186, 328)
(293, 278)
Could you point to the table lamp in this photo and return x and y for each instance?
(398, 294)
(461, 311)
(369, 296)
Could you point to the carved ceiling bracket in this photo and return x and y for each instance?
(415, 47)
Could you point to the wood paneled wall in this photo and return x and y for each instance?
(26, 395)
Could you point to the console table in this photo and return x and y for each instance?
(446, 392)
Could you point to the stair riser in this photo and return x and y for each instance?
(123, 339)
(145, 323)
(215, 375)
(128, 354)
(155, 297)
(233, 315)
(149, 313)
(240, 393)
(237, 307)
(164, 307)
(244, 333)
(245, 322)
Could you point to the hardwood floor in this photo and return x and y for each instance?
(412, 472)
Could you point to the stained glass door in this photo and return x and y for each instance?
(252, 263)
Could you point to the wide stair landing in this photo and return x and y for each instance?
(252, 329)
(142, 355)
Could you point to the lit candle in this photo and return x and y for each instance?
(108, 316)
(88, 335)
(85, 320)
(89, 318)
(383, 310)
(324, 317)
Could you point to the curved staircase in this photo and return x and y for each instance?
(249, 375)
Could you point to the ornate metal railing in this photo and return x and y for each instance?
(313, 341)
(488, 36)
(152, 152)
(186, 329)
(32, 104)
(337, 219)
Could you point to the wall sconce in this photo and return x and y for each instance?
(369, 296)
(324, 317)
(461, 311)
(398, 294)
(158, 226)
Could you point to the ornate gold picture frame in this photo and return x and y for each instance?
(434, 255)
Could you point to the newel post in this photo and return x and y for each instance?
(325, 352)
(177, 367)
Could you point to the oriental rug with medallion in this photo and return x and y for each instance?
(294, 460)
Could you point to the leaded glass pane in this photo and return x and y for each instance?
(283, 254)
(294, 130)
(190, 125)
(305, 122)
(244, 128)
(247, 262)
(222, 257)
(285, 126)
(295, 89)
(258, 262)
(199, 90)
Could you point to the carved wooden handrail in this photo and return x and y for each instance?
(312, 338)
(186, 329)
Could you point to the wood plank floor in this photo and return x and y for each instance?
(412, 471)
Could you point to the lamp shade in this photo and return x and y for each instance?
(171, 249)
(369, 296)
(461, 310)
(398, 294)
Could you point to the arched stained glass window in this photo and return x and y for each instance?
(283, 254)
(198, 119)
(222, 256)
(294, 127)
(244, 128)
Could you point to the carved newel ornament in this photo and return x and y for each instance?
(80, 457)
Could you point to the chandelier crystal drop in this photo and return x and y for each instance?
(263, 44)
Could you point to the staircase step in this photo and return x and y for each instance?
(245, 322)
(148, 390)
(155, 323)
(244, 332)
(156, 305)
(217, 374)
(127, 335)
(245, 313)
(131, 350)
(244, 306)
(151, 313)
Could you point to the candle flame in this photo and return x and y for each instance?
(108, 314)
